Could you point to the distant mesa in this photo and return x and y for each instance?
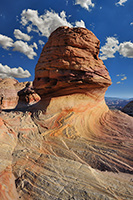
(116, 103)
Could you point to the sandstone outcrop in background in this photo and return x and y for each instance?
(8, 93)
(14, 94)
(128, 109)
(69, 145)
(27, 96)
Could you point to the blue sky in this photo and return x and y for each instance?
(26, 24)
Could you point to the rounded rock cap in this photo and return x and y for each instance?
(69, 60)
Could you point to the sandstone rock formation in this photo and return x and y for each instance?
(8, 93)
(27, 96)
(128, 109)
(69, 145)
(9, 98)
(69, 63)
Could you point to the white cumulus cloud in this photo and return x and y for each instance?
(5, 41)
(124, 78)
(46, 23)
(7, 72)
(120, 75)
(41, 42)
(126, 49)
(34, 45)
(85, 4)
(131, 23)
(24, 48)
(21, 36)
(121, 2)
(110, 48)
(80, 24)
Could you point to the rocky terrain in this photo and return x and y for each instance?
(116, 103)
(128, 109)
(69, 145)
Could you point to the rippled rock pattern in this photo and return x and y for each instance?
(69, 145)
(60, 163)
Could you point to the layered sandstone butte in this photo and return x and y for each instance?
(69, 145)
(69, 63)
